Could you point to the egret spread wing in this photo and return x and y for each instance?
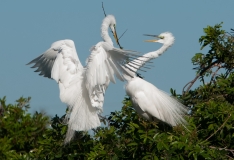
(59, 62)
(104, 63)
(67, 64)
(45, 62)
(121, 58)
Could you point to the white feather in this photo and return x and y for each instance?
(83, 89)
(147, 99)
(68, 72)
(81, 115)
(151, 102)
(104, 62)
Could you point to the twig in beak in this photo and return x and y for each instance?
(103, 9)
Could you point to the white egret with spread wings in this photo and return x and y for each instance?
(83, 88)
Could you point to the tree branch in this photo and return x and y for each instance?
(219, 66)
(230, 156)
(198, 75)
(208, 67)
(219, 128)
(226, 149)
(191, 83)
(104, 119)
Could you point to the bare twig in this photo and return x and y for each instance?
(226, 149)
(103, 9)
(117, 41)
(228, 72)
(208, 67)
(215, 72)
(104, 119)
(198, 127)
(219, 128)
(198, 75)
(122, 34)
(186, 86)
(191, 83)
(229, 156)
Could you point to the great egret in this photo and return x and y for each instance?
(148, 100)
(83, 88)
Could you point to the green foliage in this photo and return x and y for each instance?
(18, 129)
(25, 136)
(221, 51)
(209, 133)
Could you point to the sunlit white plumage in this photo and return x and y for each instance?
(83, 88)
(148, 100)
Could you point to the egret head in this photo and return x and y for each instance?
(112, 25)
(165, 38)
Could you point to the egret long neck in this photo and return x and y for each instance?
(139, 62)
(104, 31)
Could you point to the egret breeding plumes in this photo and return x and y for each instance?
(149, 101)
(83, 88)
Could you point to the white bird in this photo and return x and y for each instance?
(83, 88)
(148, 100)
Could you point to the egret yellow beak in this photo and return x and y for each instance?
(153, 40)
(116, 37)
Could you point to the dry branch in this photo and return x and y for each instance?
(219, 128)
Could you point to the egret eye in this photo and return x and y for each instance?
(161, 37)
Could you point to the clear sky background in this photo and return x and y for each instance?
(28, 28)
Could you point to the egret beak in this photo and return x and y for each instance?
(116, 37)
(153, 40)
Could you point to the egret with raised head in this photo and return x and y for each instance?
(83, 88)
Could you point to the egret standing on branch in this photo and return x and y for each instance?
(83, 88)
(148, 100)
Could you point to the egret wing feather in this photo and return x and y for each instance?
(149, 102)
(81, 116)
(104, 63)
(122, 61)
(62, 69)
(44, 68)
(68, 72)
(97, 75)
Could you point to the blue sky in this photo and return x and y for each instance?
(28, 28)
